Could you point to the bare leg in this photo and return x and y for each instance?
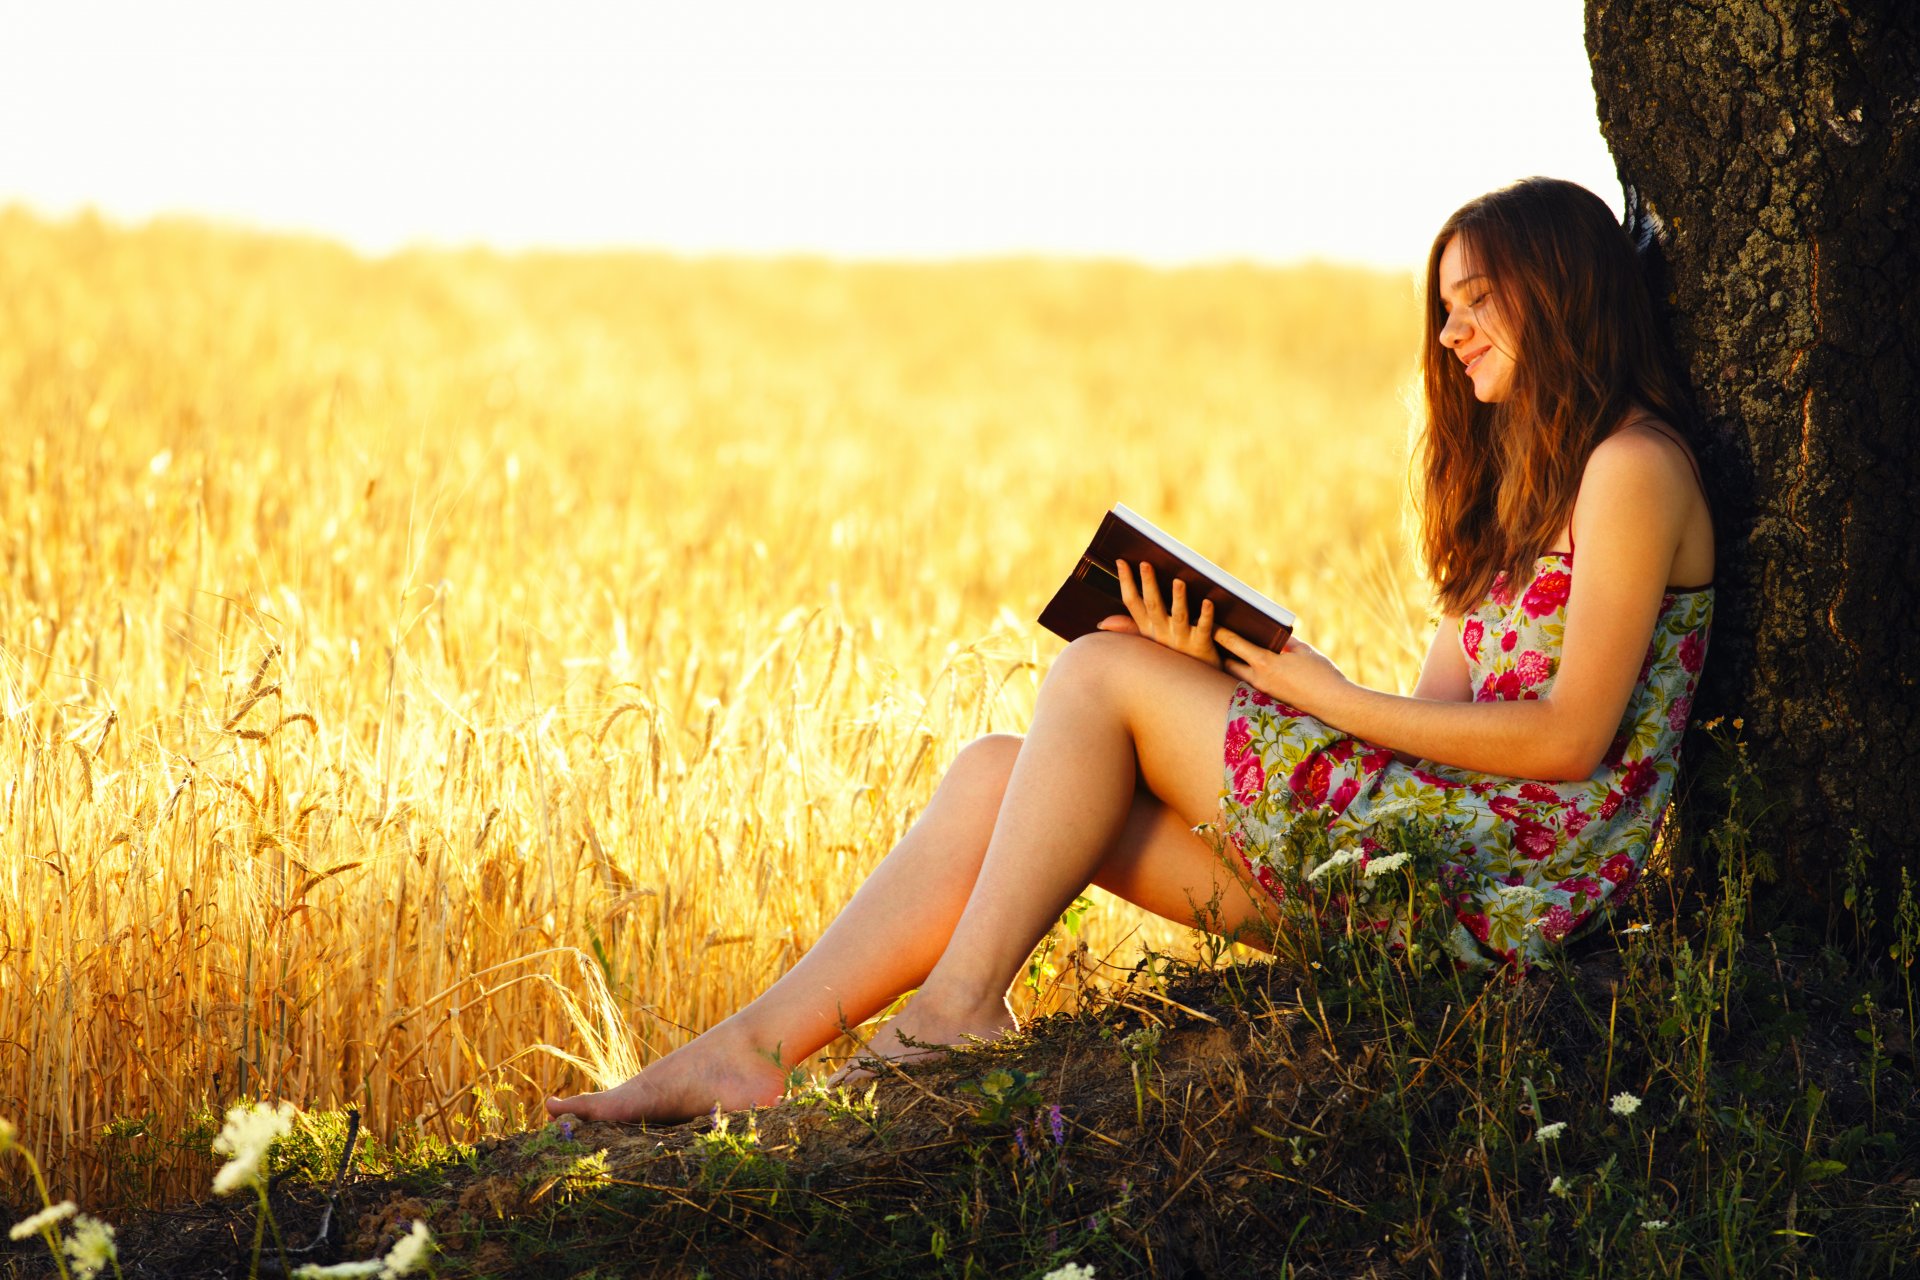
(1115, 712)
(894, 931)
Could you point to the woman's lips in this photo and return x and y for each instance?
(1476, 358)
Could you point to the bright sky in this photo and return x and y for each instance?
(1265, 129)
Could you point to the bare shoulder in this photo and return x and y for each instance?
(1642, 453)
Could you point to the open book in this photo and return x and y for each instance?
(1092, 591)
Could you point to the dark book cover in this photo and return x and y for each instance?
(1092, 591)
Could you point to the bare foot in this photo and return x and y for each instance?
(922, 1021)
(713, 1071)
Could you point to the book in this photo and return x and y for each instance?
(1092, 591)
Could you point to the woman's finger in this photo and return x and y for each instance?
(1130, 596)
(1178, 610)
(1150, 591)
(1239, 670)
(1231, 641)
(1119, 622)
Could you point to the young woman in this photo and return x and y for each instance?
(1544, 725)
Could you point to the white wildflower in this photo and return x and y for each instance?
(1559, 1187)
(1639, 927)
(406, 1255)
(1655, 1224)
(1392, 862)
(245, 1137)
(1625, 1104)
(1339, 859)
(40, 1221)
(1548, 1132)
(339, 1270)
(90, 1246)
(1072, 1271)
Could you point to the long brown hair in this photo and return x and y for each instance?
(1569, 294)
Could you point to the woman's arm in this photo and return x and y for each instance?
(1443, 673)
(1633, 502)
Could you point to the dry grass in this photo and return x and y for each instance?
(415, 669)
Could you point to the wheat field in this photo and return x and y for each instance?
(417, 672)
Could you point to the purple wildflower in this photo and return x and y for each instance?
(1058, 1125)
(566, 1130)
(1020, 1139)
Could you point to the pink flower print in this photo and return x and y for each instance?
(1557, 924)
(1574, 821)
(1341, 751)
(1258, 698)
(1540, 793)
(1677, 714)
(1507, 687)
(1249, 779)
(1343, 796)
(1514, 878)
(1370, 846)
(1532, 667)
(1485, 692)
(1585, 885)
(1271, 883)
(1533, 839)
(1310, 779)
(1500, 593)
(1376, 760)
(1638, 779)
(1692, 650)
(1548, 592)
(1609, 806)
(1475, 921)
(1508, 640)
(1505, 807)
(1616, 751)
(1621, 870)
(1470, 636)
(1452, 876)
(1239, 738)
(1434, 779)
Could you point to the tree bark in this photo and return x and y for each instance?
(1768, 150)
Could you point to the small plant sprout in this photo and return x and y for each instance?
(1548, 1132)
(1334, 863)
(1392, 862)
(43, 1221)
(90, 1248)
(7, 1133)
(245, 1137)
(1624, 1104)
(1559, 1187)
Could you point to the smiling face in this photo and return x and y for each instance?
(1473, 331)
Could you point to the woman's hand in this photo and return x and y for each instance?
(1299, 675)
(1149, 616)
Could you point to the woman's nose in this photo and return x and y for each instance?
(1454, 330)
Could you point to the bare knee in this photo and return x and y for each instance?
(986, 761)
(1096, 660)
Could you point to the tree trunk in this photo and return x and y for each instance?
(1768, 150)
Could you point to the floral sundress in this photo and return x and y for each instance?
(1532, 861)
